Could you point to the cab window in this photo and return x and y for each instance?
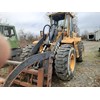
(8, 31)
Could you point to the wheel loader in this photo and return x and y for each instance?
(9, 32)
(57, 51)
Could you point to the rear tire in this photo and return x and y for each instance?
(80, 49)
(65, 62)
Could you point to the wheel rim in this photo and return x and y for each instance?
(72, 62)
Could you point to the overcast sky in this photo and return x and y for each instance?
(34, 22)
(89, 21)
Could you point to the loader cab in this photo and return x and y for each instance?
(9, 32)
(64, 22)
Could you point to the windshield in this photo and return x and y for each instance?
(8, 31)
(62, 22)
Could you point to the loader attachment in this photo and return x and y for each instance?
(26, 67)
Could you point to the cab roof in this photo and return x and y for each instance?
(6, 25)
(60, 15)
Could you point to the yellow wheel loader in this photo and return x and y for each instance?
(58, 50)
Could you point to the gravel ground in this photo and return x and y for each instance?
(87, 73)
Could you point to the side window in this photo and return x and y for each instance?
(6, 31)
(12, 31)
(66, 24)
(71, 24)
(1, 29)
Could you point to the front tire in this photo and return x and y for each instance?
(26, 52)
(65, 62)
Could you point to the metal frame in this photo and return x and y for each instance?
(13, 75)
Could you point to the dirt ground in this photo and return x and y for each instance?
(87, 73)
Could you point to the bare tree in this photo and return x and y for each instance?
(22, 34)
(84, 35)
(26, 37)
(75, 24)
